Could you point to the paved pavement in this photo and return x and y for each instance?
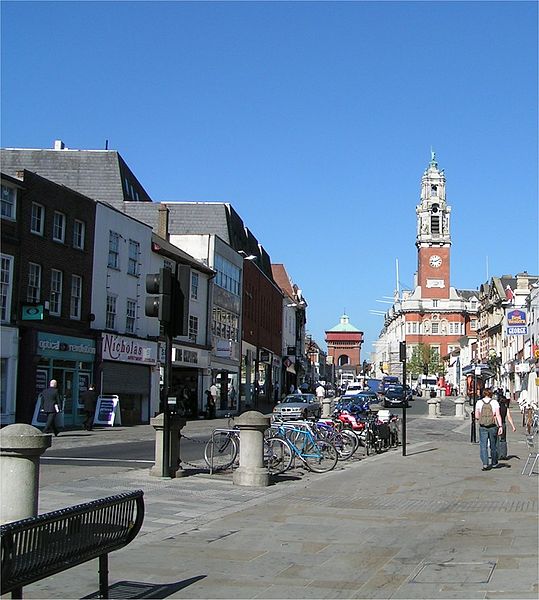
(427, 525)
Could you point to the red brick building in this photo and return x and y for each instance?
(344, 349)
(434, 313)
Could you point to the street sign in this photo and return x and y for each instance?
(32, 313)
(516, 320)
(517, 330)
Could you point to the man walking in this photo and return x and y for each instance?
(487, 413)
(89, 400)
(50, 405)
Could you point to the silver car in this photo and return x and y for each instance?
(297, 406)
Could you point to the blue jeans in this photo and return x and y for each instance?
(488, 436)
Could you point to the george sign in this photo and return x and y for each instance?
(107, 410)
(32, 313)
(516, 320)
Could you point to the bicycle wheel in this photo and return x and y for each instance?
(277, 455)
(221, 451)
(345, 443)
(320, 456)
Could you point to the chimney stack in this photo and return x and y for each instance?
(59, 145)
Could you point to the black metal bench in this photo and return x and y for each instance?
(37, 547)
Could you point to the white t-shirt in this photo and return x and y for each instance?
(495, 408)
(320, 391)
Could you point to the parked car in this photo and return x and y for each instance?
(297, 406)
(395, 396)
(369, 396)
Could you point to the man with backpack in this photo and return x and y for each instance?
(487, 414)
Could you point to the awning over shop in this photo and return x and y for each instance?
(486, 371)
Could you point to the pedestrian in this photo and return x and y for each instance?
(50, 405)
(214, 392)
(292, 388)
(505, 414)
(320, 392)
(210, 405)
(89, 401)
(487, 414)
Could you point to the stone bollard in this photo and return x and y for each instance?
(251, 471)
(174, 463)
(326, 408)
(21, 445)
(433, 403)
(459, 408)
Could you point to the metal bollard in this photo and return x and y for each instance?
(21, 445)
(251, 471)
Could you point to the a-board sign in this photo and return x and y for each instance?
(107, 410)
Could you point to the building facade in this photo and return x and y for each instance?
(434, 315)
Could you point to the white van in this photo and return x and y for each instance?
(428, 383)
(354, 387)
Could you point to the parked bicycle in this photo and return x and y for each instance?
(318, 456)
(221, 452)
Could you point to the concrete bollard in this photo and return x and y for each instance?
(174, 463)
(251, 471)
(459, 408)
(21, 445)
(326, 408)
(433, 403)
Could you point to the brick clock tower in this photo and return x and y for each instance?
(433, 235)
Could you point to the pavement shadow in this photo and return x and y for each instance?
(421, 451)
(138, 589)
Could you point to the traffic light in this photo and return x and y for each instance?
(402, 351)
(159, 306)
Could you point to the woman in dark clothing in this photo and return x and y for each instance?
(505, 414)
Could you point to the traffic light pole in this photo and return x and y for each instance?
(404, 409)
(402, 356)
(165, 472)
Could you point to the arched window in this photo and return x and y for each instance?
(344, 360)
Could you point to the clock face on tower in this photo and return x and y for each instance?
(435, 261)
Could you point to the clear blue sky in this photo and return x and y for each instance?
(314, 120)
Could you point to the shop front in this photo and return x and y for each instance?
(69, 360)
(224, 374)
(186, 380)
(127, 369)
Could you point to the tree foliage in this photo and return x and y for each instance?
(422, 355)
